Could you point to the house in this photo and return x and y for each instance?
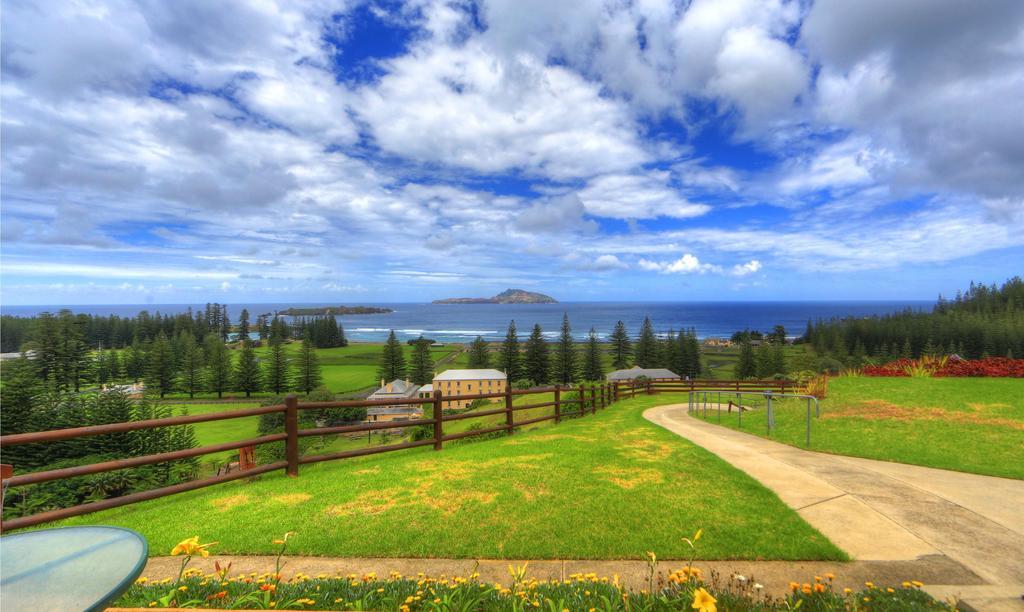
(468, 382)
(394, 391)
(636, 372)
(427, 390)
(717, 342)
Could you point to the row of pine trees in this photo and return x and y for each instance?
(536, 361)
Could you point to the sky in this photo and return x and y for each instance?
(354, 152)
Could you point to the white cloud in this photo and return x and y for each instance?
(609, 262)
(750, 267)
(637, 196)
(687, 264)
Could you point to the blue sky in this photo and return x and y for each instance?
(196, 151)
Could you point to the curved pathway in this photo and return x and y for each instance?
(876, 510)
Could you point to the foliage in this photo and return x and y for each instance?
(645, 350)
(308, 376)
(593, 368)
(160, 366)
(479, 355)
(277, 372)
(510, 359)
(536, 361)
(992, 367)
(622, 347)
(421, 370)
(746, 367)
(564, 366)
(190, 371)
(684, 588)
(248, 376)
(987, 321)
(392, 360)
(218, 364)
(56, 410)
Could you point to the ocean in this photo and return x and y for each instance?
(464, 322)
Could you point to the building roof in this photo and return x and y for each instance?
(399, 410)
(637, 371)
(427, 388)
(487, 374)
(398, 388)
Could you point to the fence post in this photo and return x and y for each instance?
(808, 423)
(615, 391)
(291, 428)
(583, 400)
(593, 399)
(6, 471)
(558, 404)
(649, 390)
(438, 413)
(509, 420)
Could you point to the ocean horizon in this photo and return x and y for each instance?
(464, 322)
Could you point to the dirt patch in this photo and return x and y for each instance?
(986, 407)
(531, 494)
(374, 470)
(629, 478)
(545, 438)
(881, 410)
(226, 503)
(647, 450)
(292, 498)
(371, 503)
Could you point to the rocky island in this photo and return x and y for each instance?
(509, 296)
(333, 310)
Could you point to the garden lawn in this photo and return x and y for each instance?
(606, 486)
(966, 424)
(219, 432)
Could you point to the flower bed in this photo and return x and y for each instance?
(994, 367)
(685, 588)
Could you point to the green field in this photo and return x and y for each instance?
(606, 486)
(965, 424)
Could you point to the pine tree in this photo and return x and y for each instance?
(778, 359)
(101, 372)
(669, 351)
(392, 360)
(225, 323)
(342, 340)
(309, 377)
(218, 364)
(479, 356)
(906, 352)
(114, 366)
(421, 367)
(277, 374)
(683, 362)
(248, 376)
(622, 347)
(160, 366)
(646, 349)
(243, 325)
(191, 359)
(536, 363)
(511, 360)
(593, 369)
(565, 367)
(262, 327)
(764, 360)
(135, 361)
(746, 366)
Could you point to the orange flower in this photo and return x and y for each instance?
(268, 587)
(819, 588)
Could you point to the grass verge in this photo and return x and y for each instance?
(971, 425)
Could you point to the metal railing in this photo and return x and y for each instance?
(698, 404)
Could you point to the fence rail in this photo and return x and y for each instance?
(588, 398)
(698, 404)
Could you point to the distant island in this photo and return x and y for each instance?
(509, 296)
(333, 310)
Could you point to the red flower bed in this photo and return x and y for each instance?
(992, 367)
(1000, 367)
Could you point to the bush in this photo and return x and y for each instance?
(523, 383)
(829, 365)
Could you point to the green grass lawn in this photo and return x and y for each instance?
(606, 486)
(965, 424)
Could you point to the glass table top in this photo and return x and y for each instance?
(69, 568)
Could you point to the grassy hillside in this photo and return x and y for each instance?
(964, 424)
(606, 486)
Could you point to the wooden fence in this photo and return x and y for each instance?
(589, 399)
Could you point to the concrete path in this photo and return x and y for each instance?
(880, 511)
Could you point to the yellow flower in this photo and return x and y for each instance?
(891, 590)
(703, 601)
(152, 604)
(697, 535)
(870, 585)
(381, 590)
(183, 588)
(305, 600)
(906, 584)
(917, 583)
(819, 588)
(830, 576)
(142, 580)
(847, 590)
(191, 547)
